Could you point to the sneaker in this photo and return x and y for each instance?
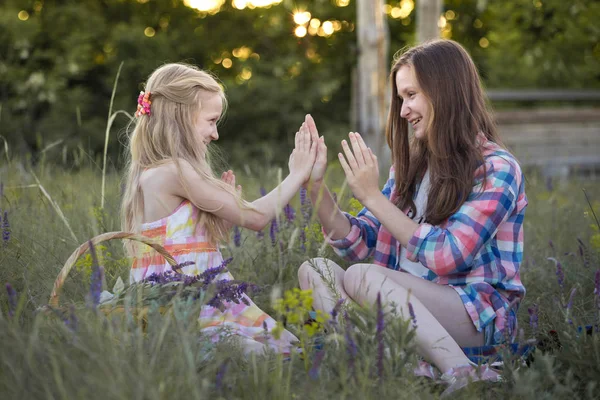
(458, 377)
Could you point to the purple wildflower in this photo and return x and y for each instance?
(230, 291)
(379, 336)
(182, 265)
(560, 274)
(290, 213)
(209, 275)
(597, 287)
(221, 374)
(96, 278)
(303, 197)
(5, 228)
(350, 343)
(263, 192)
(413, 317)
(12, 300)
(583, 253)
(273, 231)
(237, 236)
(570, 305)
(70, 320)
(305, 206)
(336, 310)
(533, 316)
(314, 369)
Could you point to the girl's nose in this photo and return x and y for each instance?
(405, 110)
(215, 135)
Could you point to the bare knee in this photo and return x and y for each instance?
(356, 282)
(308, 272)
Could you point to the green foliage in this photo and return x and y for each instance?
(161, 351)
(59, 64)
(543, 44)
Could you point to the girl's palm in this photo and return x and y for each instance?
(304, 154)
(318, 172)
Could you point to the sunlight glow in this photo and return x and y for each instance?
(300, 31)
(210, 6)
(241, 4)
(301, 18)
(406, 7)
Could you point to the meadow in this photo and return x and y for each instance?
(76, 351)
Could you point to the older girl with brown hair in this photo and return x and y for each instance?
(445, 235)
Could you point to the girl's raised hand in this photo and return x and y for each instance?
(318, 171)
(303, 156)
(360, 166)
(229, 178)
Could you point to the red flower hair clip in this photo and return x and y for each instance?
(144, 103)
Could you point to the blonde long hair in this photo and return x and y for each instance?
(167, 135)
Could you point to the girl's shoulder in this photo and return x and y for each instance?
(163, 171)
(498, 156)
(501, 165)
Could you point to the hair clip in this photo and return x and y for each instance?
(144, 103)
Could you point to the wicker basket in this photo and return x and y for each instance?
(62, 276)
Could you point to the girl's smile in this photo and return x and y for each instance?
(415, 105)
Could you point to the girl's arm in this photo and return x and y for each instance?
(334, 222)
(229, 178)
(445, 250)
(225, 205)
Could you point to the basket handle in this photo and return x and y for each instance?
(64, 272)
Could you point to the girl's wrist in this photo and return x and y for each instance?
(314, 185)
(296, 178)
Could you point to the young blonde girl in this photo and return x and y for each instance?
(446, 233)
(171, 194)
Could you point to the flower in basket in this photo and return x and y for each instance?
(160, 289)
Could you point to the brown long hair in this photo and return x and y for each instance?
(450, 81)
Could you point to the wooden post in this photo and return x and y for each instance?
(428, 16)
(372, 89)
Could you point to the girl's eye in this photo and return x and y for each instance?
(411, 95)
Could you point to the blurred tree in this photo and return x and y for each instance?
(59, 58)
(543, 44)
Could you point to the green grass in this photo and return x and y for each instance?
(41, 357)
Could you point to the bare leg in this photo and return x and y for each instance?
(322, 275)
(442, 301)
(362, 282)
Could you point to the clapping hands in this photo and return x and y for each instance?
(360, 166)
(304, 154)
(359, 163)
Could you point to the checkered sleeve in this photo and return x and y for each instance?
(452, 247)
(361, 241)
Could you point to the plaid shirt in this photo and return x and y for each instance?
(477, 250)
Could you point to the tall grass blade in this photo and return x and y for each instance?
(56, 207)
